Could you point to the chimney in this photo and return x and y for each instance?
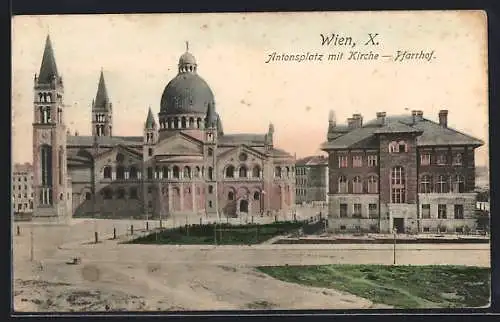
(443, 118)
(350, 123)
(357, 120)
(76, 133)
(420, 115)
(381, 117)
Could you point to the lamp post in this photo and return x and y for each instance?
(394, 248)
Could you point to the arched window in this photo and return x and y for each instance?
(393, 147)
(210, 152)
(198, 123)
(164, 170)
(230, 195)
(425, 184)
(357, 185)
(256, 195)
(175, 172)
(46, 164)
(458, 184)
(372, 184)
(243, 172)
(133, 172)
(256, 172)
(191, 122)
(442, 184)
(277, 172)
(343, 184)
(230, 171)
(210, 173)
(210, 189)
(61, 167)
(107, 172)
(183, 122)
(402, 147)
(287, 172)
(187, 172)
(197, 172)
(120, 157)
(398, 185)
(120, 172)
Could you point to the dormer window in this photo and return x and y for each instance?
(398, 147)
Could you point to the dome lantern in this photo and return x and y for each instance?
(187, 62)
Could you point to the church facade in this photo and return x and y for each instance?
(182, 163)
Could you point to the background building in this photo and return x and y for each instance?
(402, 172)
(22, 188)
(311, 180)
(183, 162)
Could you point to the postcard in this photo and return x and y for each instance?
(250, 161)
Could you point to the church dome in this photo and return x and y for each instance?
(187, 93)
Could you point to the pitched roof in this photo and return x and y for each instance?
(101, 98)
(48, 68)
(396, 127)
(104, 140)
(432, 134)
(312, 160)
(150, 120)
(242, 138)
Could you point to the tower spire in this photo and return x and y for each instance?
(187, 46)
(150, 120)
(48, 68)
(101, 98)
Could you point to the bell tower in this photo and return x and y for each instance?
(210, 156)
(52, 197)
(102, 111)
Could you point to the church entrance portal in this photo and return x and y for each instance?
(244, 206)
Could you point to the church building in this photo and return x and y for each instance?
(182, 163)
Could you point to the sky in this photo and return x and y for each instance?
(139, 56)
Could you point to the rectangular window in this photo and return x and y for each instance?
(426, 229)
(343, 210)
(372, 210)
(150, 152)
(441, 159)
(342, 161)
(357, 161)
(441, 211)
(150, 173)
(426, 211)
(425, 159)
(459, 211)
(457, 159)
(398, 195)
(356, 210)
(372, 160)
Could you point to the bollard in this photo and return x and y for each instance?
(201, 221)
(96, 237)
(275, 218)
(114, 233)
(147, 225)
(252, 219)
(131, 229)
(18, 231)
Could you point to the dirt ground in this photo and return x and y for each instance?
(151, 278)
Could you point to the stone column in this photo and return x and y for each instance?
(181, 195)
(126, 174)
(282, 194)
(170, 173)
(193, 195)
(170, 203)
(113, 175)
